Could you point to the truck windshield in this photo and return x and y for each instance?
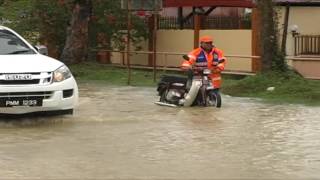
(11, 44)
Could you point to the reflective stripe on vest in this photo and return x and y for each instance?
(215, 58)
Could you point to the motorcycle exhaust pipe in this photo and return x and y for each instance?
(165, 104)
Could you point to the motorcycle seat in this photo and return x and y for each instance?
(174, 79)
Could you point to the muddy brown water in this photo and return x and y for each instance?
(118, 133)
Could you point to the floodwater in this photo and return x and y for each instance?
(118, 133)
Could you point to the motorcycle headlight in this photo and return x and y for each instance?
(207, 71)
(61, 74)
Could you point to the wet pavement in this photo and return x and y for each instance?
(118, 133)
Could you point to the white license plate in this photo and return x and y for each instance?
(18, 77)
(20, 102)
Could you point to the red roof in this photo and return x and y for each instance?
(207, 3)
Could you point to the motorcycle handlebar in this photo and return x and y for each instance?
(186, 57)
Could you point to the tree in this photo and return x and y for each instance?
(50, 20)
(16, 14)
(272, 58)
(108, 25)
(65, 25)
(76, 46)
(105, 28)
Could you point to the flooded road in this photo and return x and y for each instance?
(118, 133)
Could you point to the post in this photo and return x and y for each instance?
(150, 40)
(295, 46)
(122, 58)
(128, 40)
(155, 45)
(165, 62)
(180, 17)
(285, 30)
(256, 44)
(197, 24)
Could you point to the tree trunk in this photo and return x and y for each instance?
(267, 34)
(76, 46)
(272, 59)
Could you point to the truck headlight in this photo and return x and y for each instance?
(61, 74)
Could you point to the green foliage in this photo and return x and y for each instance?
(109, 24)
(16, 14)
(46, 21)
(51, 19)
(36, 19)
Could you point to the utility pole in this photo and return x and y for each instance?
(128, 40)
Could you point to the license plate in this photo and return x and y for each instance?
(10, 102)
(11, 77)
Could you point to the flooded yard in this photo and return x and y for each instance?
(119, 133)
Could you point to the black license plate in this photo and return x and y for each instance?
(10, 102)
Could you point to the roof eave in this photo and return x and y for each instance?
(208, 3)
(298, 3)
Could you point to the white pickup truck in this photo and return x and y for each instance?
(31, 81)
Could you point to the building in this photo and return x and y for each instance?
(301, 34)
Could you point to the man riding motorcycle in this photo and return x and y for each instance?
(207, 56)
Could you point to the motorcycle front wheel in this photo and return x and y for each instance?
(163, 97)
(214, 99)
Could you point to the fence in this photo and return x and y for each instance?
(166, 65)
(307, 45)
(308, 67)
(207, 22)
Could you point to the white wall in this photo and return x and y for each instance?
(306, 18)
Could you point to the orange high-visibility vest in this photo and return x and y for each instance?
(200, 58)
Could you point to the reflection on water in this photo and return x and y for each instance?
(117, 132)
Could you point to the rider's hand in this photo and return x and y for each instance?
(215, 63)
(216, 70)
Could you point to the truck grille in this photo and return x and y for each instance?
(39, 94)
(18, 82)
(41, 78)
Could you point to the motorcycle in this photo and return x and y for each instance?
(196, 89)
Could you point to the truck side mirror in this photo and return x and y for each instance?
(42, 49)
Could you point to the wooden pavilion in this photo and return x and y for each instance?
(198, 11)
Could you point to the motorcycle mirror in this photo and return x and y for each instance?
(222, 60)
(186, 57)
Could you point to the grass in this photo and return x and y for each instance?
(289, 88)
(113, 75)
